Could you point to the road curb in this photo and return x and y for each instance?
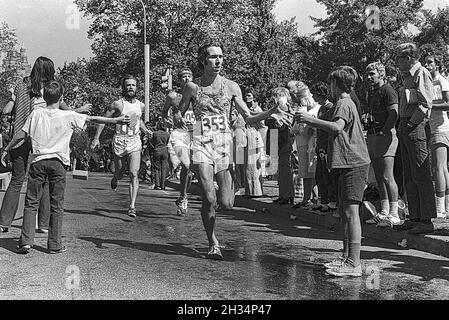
(431, 243)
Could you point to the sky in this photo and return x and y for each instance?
(50, 28)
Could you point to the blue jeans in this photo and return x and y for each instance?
(416, 170)
(19, 159)
(54, 172)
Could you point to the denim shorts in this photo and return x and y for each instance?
(352, 183)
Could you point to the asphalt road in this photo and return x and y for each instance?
(160, 256)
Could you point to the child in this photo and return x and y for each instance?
(325, 178)
(305, 137)
(348, 156)
(281, 96)
(50, 130)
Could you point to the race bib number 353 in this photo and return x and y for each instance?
(214, 124)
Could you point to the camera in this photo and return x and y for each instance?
(369, 122)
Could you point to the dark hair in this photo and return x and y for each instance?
(53, 91)
(344, 79)
(127, 77)
(43, 71)
(438, 60)
(202, 51)
(320, 89)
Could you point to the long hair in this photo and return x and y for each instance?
(43, 71)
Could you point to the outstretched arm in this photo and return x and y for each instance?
(250, 117)
(109, 114)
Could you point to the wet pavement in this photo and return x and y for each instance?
(160, 256)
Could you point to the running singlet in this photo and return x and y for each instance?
(212, 112)
(212, 136)
(134, 111)
(127, 136)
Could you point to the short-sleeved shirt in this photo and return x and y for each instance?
(50, 131)
(379, 102)
(322, 136)
(439, 121)
(347, 149)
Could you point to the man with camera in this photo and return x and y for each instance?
(383, 142)
(415, 104)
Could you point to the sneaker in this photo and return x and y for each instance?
(114, 184)
(335, 263)
(63, 249)
(345, 270)
(4, 229)
(182, 204)
(23, 249)
(214, 253)
(422, 228)
(132, 212)
(41, 230)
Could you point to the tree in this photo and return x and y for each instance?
(434, 33)
(8, 42)
(345, 39)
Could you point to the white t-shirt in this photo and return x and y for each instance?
(439, 121)
(50, 131)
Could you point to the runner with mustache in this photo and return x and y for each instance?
(126, 141)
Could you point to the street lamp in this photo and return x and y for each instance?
(147, 64)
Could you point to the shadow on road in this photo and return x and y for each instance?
(97, 212)
(169, 248)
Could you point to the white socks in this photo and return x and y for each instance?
(394, 216)
(441, 206)
(384, 207)
(446, 201)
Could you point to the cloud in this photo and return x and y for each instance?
(23, 6)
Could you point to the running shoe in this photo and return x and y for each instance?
(345, 270)
(335, 263)
(23, 249)
(379, 217)
(132, 212)
(41, 230)
(63, 249)
(181, 204)
(114, 184)
(214, 253)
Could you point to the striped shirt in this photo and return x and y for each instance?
(21, 109)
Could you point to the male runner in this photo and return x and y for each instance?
(126, 141)
(212, 97)
(180, 139)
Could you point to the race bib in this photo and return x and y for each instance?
(214, 124)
